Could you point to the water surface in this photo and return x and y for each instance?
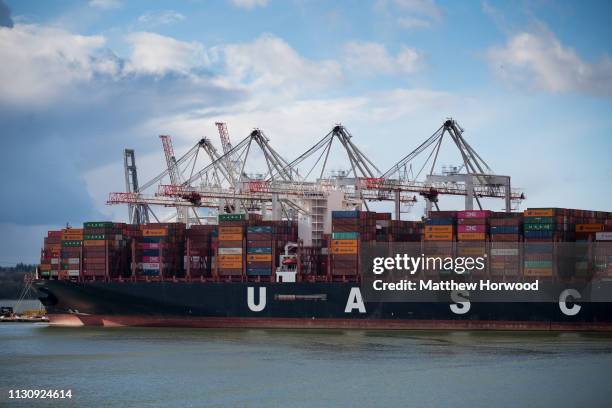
(125, 367)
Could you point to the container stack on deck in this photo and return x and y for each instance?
(506, 235)
(71, 253)
(104, 250)
(200, 250)
(230, 257)
(349, 228)
(260, 250)
(540, 242)
(50, 255)
(472, 234)
(439, 236)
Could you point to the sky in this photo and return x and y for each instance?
(530, 82)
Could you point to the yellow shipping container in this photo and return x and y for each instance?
(538, 213)
(589, 227)
(471, 236)
(438, 236)
(447, 229)
(544, 272)
(344, 250)
(345, 243)
(154, 232)
(259, 257)
(230, 237)
(94, 243)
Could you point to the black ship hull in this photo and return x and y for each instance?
(296, 305)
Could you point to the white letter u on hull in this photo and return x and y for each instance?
(251, 299)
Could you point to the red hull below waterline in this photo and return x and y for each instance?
(73, 320)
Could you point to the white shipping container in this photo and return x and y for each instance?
(73, 272)
(603, 236)
(504, 251)
(73, 261)
(230, 251)
(149, 265)
(54, 261)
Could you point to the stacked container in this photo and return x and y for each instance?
(230, 257)
(50, 255)
(472, 234)
(506, 237)
(71, 253)
(347, 229)
(160, 250)
(260, 246)
(542, 227)
(199, 254)
(439, 236)
(104, 250)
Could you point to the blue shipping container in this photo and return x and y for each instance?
(505, 229)
(150, 272)
(151, 240)
(440, 221)
(259, 271)
(259, 250)
(260, 230)
(345, 214)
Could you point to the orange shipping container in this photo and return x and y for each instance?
(589, 227)
(539, 213)
(232, 258)
(438, 236)
(259, 257)
(545, 272)
(94, 243)
(230, 237)
(446, 229)
(230, 264)
(345, 243)
(154, 232)
(344, 250)
(230, 230)
(471, 236)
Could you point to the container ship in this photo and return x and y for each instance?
(246, 271)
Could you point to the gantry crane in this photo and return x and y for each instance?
(288, 188)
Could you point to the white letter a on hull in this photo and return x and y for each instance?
(355, 301)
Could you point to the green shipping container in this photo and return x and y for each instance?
(94, 237)
(538, 264)
(97, 224)
(232, 217)
(539, 227)
(539, 220)
(345, 235)
(72, 243)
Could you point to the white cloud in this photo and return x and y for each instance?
(161, 17)
(412, 14)
(158, 55)
(270, 64)
(373, 58)
(105, 4)
(39, 63)
(413, 22)
(249, 4)
(538, 59)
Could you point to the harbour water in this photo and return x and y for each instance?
(129, 367)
